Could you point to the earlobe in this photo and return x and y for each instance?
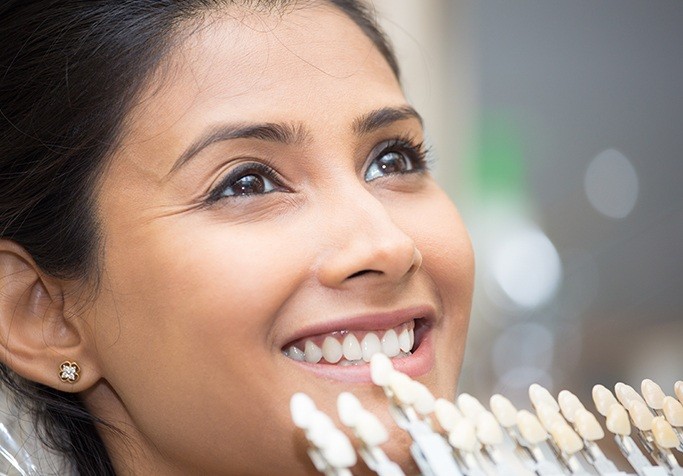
(35, 337)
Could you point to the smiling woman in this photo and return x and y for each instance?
(206, 207)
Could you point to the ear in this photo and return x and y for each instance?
(35, 336)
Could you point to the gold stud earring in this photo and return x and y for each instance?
(69, 371)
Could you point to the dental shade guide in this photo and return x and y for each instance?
(464, 438)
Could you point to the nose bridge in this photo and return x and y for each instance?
(364, 239)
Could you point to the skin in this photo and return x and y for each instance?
(183, 340)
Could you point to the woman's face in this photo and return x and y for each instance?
(270, 193)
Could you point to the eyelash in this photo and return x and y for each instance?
(415, 152)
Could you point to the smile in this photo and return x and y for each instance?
(354, 347)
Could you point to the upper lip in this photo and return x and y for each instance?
(365, 322)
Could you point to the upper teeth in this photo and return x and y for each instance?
(353, 350)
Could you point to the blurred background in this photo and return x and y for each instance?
(558, 128)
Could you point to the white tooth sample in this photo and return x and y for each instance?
(652, 393)
(587, 425)
(411, 335)
(351, 348)
(541, 396)
(312, 352)
(370, 345)
(617, 420)
(488, 429)
(390, 343)
(626, 394)
(548, 417)
(301, 407)
(640, 415)
(470, 406)
(424, 400)
(567, 439)
(673, 411)
(338, 451)
(463, 436)
(381, 369)
(404, 341)
(603, 399)
(678, 389)
(504, 410)
(319, 428)
(349, 408)
(569, 404)
(332, 350)
(530, 428)
(370, 429)
(403, 387)
(447, 414)
(665, 436)
(295, 353)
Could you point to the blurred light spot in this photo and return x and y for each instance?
(527, 345)
(526, 267)
(611, 184)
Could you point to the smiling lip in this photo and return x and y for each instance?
(420, 362)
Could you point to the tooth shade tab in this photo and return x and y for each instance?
(338, 451)
(447, 414)
(541, 396)
(640, 415)
(626, 394)
(349, 408)
(652, 393)
(673, 411)
(665, 436)
(301, 407)
(569, 404)
(587, 425)
(470, 406)
(678, 389)
(617, 420)
(488, 429)
(464, 436)
(424, 400)
(548, 417)
(504, 410)
(567, 439)
(381, 369)
(370, 429)
(530, 428)
(403, 387)
(603, 399)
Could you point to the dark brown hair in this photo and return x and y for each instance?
(70, 70)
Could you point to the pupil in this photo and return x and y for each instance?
(249, 184)
(391, 163)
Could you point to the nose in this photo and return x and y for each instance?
(364, 241)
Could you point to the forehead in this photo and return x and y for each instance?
(242, 65)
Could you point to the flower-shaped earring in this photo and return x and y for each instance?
(69, 371)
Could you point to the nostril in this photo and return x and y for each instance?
(363, 272)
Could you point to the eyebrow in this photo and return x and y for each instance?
(291, 133)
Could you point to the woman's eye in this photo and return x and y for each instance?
(247, 180)
(251, 184)
(396, 160)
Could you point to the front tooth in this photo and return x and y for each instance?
(295, 353)
(312, 352)
(332, 350)
(370, 345)
(390, 343)
(351, 348)
(404, 341)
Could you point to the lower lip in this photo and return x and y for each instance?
(416, 364)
